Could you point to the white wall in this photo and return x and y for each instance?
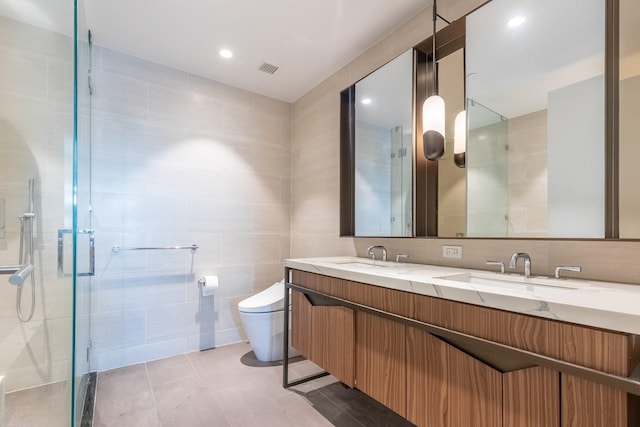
(177, 160)
(576, 159)
(629, 155)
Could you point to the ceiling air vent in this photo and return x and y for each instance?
(268, 68)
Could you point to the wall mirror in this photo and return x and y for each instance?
(536, 119)
(535, 87)
(381, 129)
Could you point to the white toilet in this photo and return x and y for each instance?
(262, 316)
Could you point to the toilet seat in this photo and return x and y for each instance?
(267, 301)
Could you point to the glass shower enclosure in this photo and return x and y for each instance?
(45, 217)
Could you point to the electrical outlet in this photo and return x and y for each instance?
(452, 252)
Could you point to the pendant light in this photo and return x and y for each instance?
(460, 139)
(433, 114)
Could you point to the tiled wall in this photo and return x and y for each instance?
(315, 184)
(373, 179)
(527, 168)
(177, 160)
(36, 131)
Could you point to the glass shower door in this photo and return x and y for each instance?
(83, 236)
(36, 200)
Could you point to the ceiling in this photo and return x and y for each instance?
(312, 39)
(308, 40)
(512, 70)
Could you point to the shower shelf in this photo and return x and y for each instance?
(117, 249)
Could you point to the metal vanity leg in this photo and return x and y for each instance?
(285, 353)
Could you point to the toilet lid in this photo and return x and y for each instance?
(271, 299)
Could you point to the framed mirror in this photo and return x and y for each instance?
(540, 85)
(537, 167)
(378, 111)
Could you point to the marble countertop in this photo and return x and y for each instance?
(608, 305)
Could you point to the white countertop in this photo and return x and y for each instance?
(608, 305)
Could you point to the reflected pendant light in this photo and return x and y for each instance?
(433, 110)
(460, 139)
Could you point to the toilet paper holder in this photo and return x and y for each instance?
(209, 285)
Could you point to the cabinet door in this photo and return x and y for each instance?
(380, 361)
(301, 325)
(588, 404)
(325, 335)
(531, 398)
(475, 391)
(427, 379)
(448, 387)
(333, 341)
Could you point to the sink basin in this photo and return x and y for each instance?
(540, 286)
(362, 265)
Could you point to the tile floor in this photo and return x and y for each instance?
(47, 405)
(228, 386)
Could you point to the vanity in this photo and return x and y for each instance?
(457, 347)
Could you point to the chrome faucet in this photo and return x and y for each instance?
(372, 254)
(527, 262)
(566, 268)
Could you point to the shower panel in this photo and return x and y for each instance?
(24, 269)
(43, 336)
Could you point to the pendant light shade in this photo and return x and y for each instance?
(460, 139)
(433, 108)
(433, 127)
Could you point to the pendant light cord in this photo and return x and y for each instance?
(433, 53)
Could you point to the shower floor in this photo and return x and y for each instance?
(47, 405)
(228, 386)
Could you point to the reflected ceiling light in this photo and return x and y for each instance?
(226, 53)
(433, 116)
(460, 139)
(366, 101)
(516, 21)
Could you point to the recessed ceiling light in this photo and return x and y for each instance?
(516, 21)
(366, 101)
(225, 53)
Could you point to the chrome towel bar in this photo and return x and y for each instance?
(117, 249)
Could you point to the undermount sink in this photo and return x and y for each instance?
(540, 286)
(361, 264)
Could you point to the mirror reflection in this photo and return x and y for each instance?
(451, 178)
(383, 150)
(629, 124)
(535, 86)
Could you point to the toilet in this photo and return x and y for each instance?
(262, 316)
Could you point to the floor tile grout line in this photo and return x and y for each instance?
(153, 393)
(196, 371)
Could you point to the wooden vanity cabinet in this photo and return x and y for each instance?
(325, 335)
(433, 383)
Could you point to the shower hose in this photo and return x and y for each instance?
(28, 229)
